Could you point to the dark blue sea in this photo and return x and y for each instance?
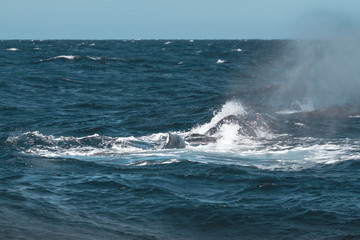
(83, 125)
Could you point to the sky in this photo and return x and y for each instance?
(175, 19)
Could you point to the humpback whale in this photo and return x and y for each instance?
(174, 141)
(333, 111)
(254, 124)
(249, 126)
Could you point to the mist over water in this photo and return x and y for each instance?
(323, 68)
(322, 73)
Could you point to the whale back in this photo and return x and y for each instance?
(248, 124)
(174, 141)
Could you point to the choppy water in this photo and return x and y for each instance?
(83, 124)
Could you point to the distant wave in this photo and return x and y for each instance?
(11, 49)
(76, 57)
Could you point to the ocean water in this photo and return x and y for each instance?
(83, 125)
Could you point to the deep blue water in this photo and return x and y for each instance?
(83, 123)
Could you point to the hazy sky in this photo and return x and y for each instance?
(174, 19)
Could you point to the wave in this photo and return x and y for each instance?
(36, 143)
(266, 151)
(11, 49)
(295, 154)
(76, 57)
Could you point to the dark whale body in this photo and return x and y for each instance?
(248, 126)
(174, 141)
(334, 111)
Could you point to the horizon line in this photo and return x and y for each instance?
(161, 39)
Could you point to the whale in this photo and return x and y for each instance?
(253, 124)
(174, 141)
(332, 111)
(249, 126)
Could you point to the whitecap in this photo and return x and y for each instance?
(298, 124)
(168, 42)
(237, 50)
(94, 58)
(11, 49)
(219, 61)
(69, 57)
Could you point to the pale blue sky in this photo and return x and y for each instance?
(174, 19)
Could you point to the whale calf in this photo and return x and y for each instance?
(174, 141)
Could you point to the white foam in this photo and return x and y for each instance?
(168, 42)
(298, 124)
(72, 57)
(11, 49)
(269, 151)
(219, 61)
(50, 146)
(237, 50)
(272, 154)
(229, 108)
(354, 116)
(227, 136)
(94, 58)
(279, 156)
(69, 57)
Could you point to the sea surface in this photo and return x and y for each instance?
(83, 124)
